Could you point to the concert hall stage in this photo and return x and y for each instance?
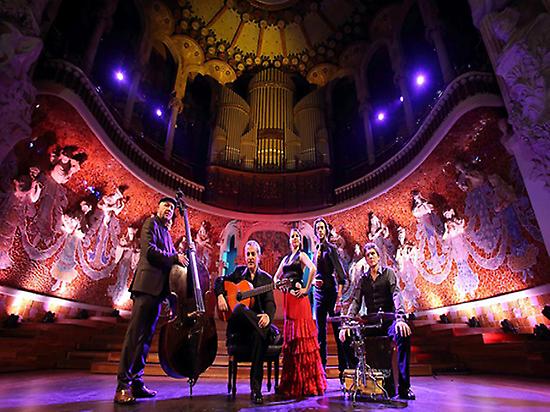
(81, 391)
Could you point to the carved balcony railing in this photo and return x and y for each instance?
(269, 193)
(463, 87)
(274, 193)
(67, 75)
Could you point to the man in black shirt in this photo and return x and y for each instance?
(379, 291)
(250, 324)
(149, 288)
(329, 282)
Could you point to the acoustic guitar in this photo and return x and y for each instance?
(244, 292)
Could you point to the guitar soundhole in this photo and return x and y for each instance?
(239, 296)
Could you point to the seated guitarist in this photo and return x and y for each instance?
(250, 323)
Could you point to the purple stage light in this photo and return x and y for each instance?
(158, 112)
(380, 116)
(420, 79)
(119, 75)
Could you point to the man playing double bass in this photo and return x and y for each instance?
(149, 288)
(250, 324)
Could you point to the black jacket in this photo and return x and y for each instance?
(157, 255)
(264, 303)
(329, 267)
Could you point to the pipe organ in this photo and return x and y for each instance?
(269, 132)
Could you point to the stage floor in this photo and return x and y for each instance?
(81, 391)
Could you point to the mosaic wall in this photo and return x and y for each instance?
(459, 228)
(524, 313)
(72, 214)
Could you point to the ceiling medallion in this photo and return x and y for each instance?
(280, 28)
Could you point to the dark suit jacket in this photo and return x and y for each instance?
(264, 303)
(157, 255)
(329, 267)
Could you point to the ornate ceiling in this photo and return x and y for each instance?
(306, 36)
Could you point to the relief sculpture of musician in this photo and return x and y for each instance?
(149, 288)
(250, 325)
(378, 291)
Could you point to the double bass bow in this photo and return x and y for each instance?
(188, 342)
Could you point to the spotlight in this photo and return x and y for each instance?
(420, 79)
(158, 112)
(12, 321)
(546, 311)
(473, 322)
(444, 319)
(119, 75)
(401, 99)
(380, 116)
(49, 317)
(507, 326)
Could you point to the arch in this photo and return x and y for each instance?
(263, 227)
(231, 230)
(371, 51)
(400, 19)
(162, 20)
(332, 83)
(219, 70)
(189, 52)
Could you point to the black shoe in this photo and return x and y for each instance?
(341, 378)
(257, 398)
(409, 395)
(142, 391)
(124, 397)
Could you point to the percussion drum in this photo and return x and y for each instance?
(374, 356)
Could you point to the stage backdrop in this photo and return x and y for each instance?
(459, 228)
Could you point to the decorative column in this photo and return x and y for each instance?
(433, 28)
(400, 80)
(143, 59)
(176, 105)
(104, 22)
(20, 46)
(518, 39)
(48, 16)
(38, 7)
(365, 110)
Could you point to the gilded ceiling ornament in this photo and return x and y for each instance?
(294, 34)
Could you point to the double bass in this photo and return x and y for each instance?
(188, 342)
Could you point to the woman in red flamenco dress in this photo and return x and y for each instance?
(303, 373)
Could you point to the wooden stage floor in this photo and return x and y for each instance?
(82, 391)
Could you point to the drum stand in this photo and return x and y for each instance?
(365, 377)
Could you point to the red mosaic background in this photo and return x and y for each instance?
(105, 173)
(475, 135)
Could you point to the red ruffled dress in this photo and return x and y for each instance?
(303, 373)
